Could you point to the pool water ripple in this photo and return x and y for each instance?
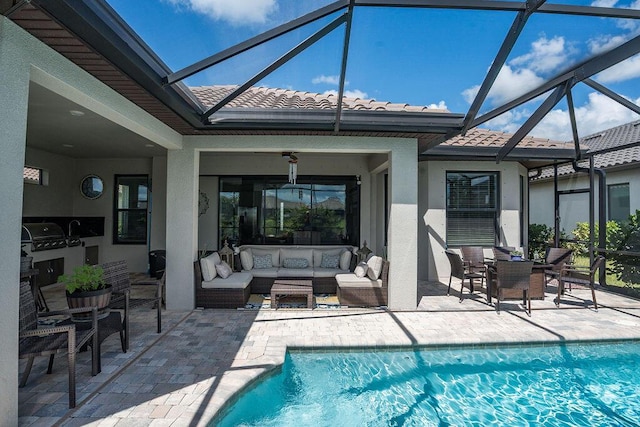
(565, 385)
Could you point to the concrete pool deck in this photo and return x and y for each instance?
(201, 360)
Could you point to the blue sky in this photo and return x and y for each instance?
(404, 55)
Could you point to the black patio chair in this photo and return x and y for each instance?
(514, 275)
(557, 258)
(585, 276)
(502, 252)
(473, 258)
(49, 341)
(460, 271)
(117, 275)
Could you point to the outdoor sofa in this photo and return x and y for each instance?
(367, 286)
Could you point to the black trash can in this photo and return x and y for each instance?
(157, 263)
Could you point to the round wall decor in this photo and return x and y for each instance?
(91, 186)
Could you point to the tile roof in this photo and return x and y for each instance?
(478, 137)
(613, 147)
(264, 97)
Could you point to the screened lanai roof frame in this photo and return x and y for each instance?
(119, 43)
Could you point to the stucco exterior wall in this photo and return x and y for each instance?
(574, 208)
(432, 223)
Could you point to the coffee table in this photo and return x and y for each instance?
(287, 287)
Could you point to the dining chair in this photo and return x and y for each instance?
(557, 258)
(514, 275)
(473, 258)
(585, 276)
(502, 252)
(49, 341)
(460, 271)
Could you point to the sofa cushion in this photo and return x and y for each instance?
(265, 272)
(274, 252)
(295, 263)
(345, 259)
(223, 270)
(208, 266)
(330, 260)
(326, 272)
(350, 280)
(375, 267)
(317, 255)
(295, 272)
(296, 253)
(235, 281)
(246, 259)
(262, 261)
(361, 269)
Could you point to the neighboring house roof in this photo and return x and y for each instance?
(264, 97)
(613, 147)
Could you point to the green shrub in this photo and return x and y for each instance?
(627, 238)
(581, 234)
(540, 237)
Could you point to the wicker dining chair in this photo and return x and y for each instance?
(49, 341)
(557, 258)
(460, 271)
(117, 275)
(473, 258)
(514, 275)
(585, 276)
(502, 252)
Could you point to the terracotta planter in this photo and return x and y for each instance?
(99, 298)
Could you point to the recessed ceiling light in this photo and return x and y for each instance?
(67, 145)
(149, 145)
(76, 113)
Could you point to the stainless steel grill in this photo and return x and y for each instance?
(43, 236)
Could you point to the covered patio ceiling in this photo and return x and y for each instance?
(93, 35)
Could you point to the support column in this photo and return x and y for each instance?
(403, 227)
(14, 92)
(183, 168)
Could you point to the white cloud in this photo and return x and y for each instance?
(546, 55)
(625, 70)
(236, 12)
(604, 3)
(331, 80)
(440, 105)
(597, 114)
(606, 42)
(512, 83)
(356, 93)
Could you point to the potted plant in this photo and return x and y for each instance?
(516, 255)
(86, 287)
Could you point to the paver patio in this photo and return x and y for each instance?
(183, 376)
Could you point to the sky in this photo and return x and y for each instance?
(424, 57)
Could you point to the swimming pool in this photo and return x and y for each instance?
(564, 385)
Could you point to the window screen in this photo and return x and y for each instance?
(472, 208)
(619, 207)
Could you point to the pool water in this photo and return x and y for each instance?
(565, 385)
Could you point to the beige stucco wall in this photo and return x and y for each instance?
(433, 263)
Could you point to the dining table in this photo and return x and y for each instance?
(536, 285)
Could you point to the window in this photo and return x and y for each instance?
(619, 207)
(130, 211)
(33, 175)
(270, 210)
(472, 208)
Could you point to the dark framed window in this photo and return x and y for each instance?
(472, 208)
(131, 199)
(270, 210)
(33, 175)
(619, 205)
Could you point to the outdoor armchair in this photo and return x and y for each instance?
(460, 271)
(117, 275)
(585, 276)
(557, 258)
(473, 258)
(502, 252)
(514, 275)
(49, 341)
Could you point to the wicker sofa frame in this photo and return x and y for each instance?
(218, 297)
(367, 296)
(321, 285)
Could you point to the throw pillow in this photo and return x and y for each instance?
(246, 259)
(295, 263)
(262, 261)
(361, 269)
(345, 260)
(208, 266)
(375, 267)
(330, 261)
(223, 269)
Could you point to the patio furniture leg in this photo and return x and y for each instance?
(50, 367)
(27, 371)
(593, 295)
(449, 288)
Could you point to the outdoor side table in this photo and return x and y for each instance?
(291, 287)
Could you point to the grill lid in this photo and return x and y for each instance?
(43, 235)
